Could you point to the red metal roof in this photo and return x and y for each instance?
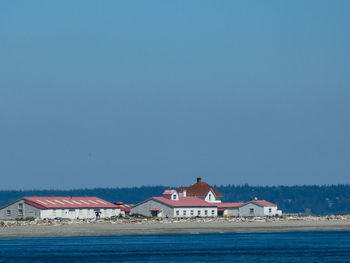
(169, 192)
(67, 202)
(123, 207)
(184, 202)
(155, 209)
(200, 189)
(224, 206)
(229, 205)
(263, 203)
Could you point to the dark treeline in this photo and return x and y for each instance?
(309, 199)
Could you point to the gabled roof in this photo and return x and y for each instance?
(123, 207)
(230, 205)
(261, 203)
(169, 192)
(50, 202)
(184, 202)
(224, 206)
(155, 209)
(200, 189)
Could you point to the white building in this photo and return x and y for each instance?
(259, 208)
(201, 190)
(59, 207)
(251, 208)
(173, 205)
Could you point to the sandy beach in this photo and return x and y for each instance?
(186, 226)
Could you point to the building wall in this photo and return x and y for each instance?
(84, 213)
(270, 210)
(145, 209)
(231, 211)
(259, 210)
(211, 198)
(15, 211)
(195, 211)
(31, 211)
(245, 210)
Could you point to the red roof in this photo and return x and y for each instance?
(229, 205)
(200, 189)
(155, 209)
(224, 206)
(123, 207)
(263, 203)
(169, 192)
(184, 202)
(67, 202)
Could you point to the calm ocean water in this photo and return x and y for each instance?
(329, 246)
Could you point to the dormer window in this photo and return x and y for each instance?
(171, 194)
(209, 197)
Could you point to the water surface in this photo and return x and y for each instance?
(328, 246)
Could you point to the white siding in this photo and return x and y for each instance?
(251, 209)
(245, 210)
(195, 211)
(145, 207)
(232, 211)
(18, 209)
(167, 211)
(83, 213)
(211, 198)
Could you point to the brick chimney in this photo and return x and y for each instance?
(199, 179)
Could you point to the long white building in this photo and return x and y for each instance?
(170, 204)
(59, 207)
(201, 199)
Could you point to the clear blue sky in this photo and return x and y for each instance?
(130, 93)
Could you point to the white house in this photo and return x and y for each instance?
(201, 190)
(59, 207)
(258, 208)
(171, 204)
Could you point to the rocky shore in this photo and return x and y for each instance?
(135, 226)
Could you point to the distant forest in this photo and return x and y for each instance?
(308, 199)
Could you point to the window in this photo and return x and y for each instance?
(206, 212)
(184, 212)
(212, 212)
(192, 212)
(174, 197)
(199, 212)
(251, 211)
(177, 212)
(20, 206)
(270, 210)
(209, 197)
(8, 212)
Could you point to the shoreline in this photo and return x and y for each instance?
(124, 227)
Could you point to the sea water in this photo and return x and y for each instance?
(328, 246)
